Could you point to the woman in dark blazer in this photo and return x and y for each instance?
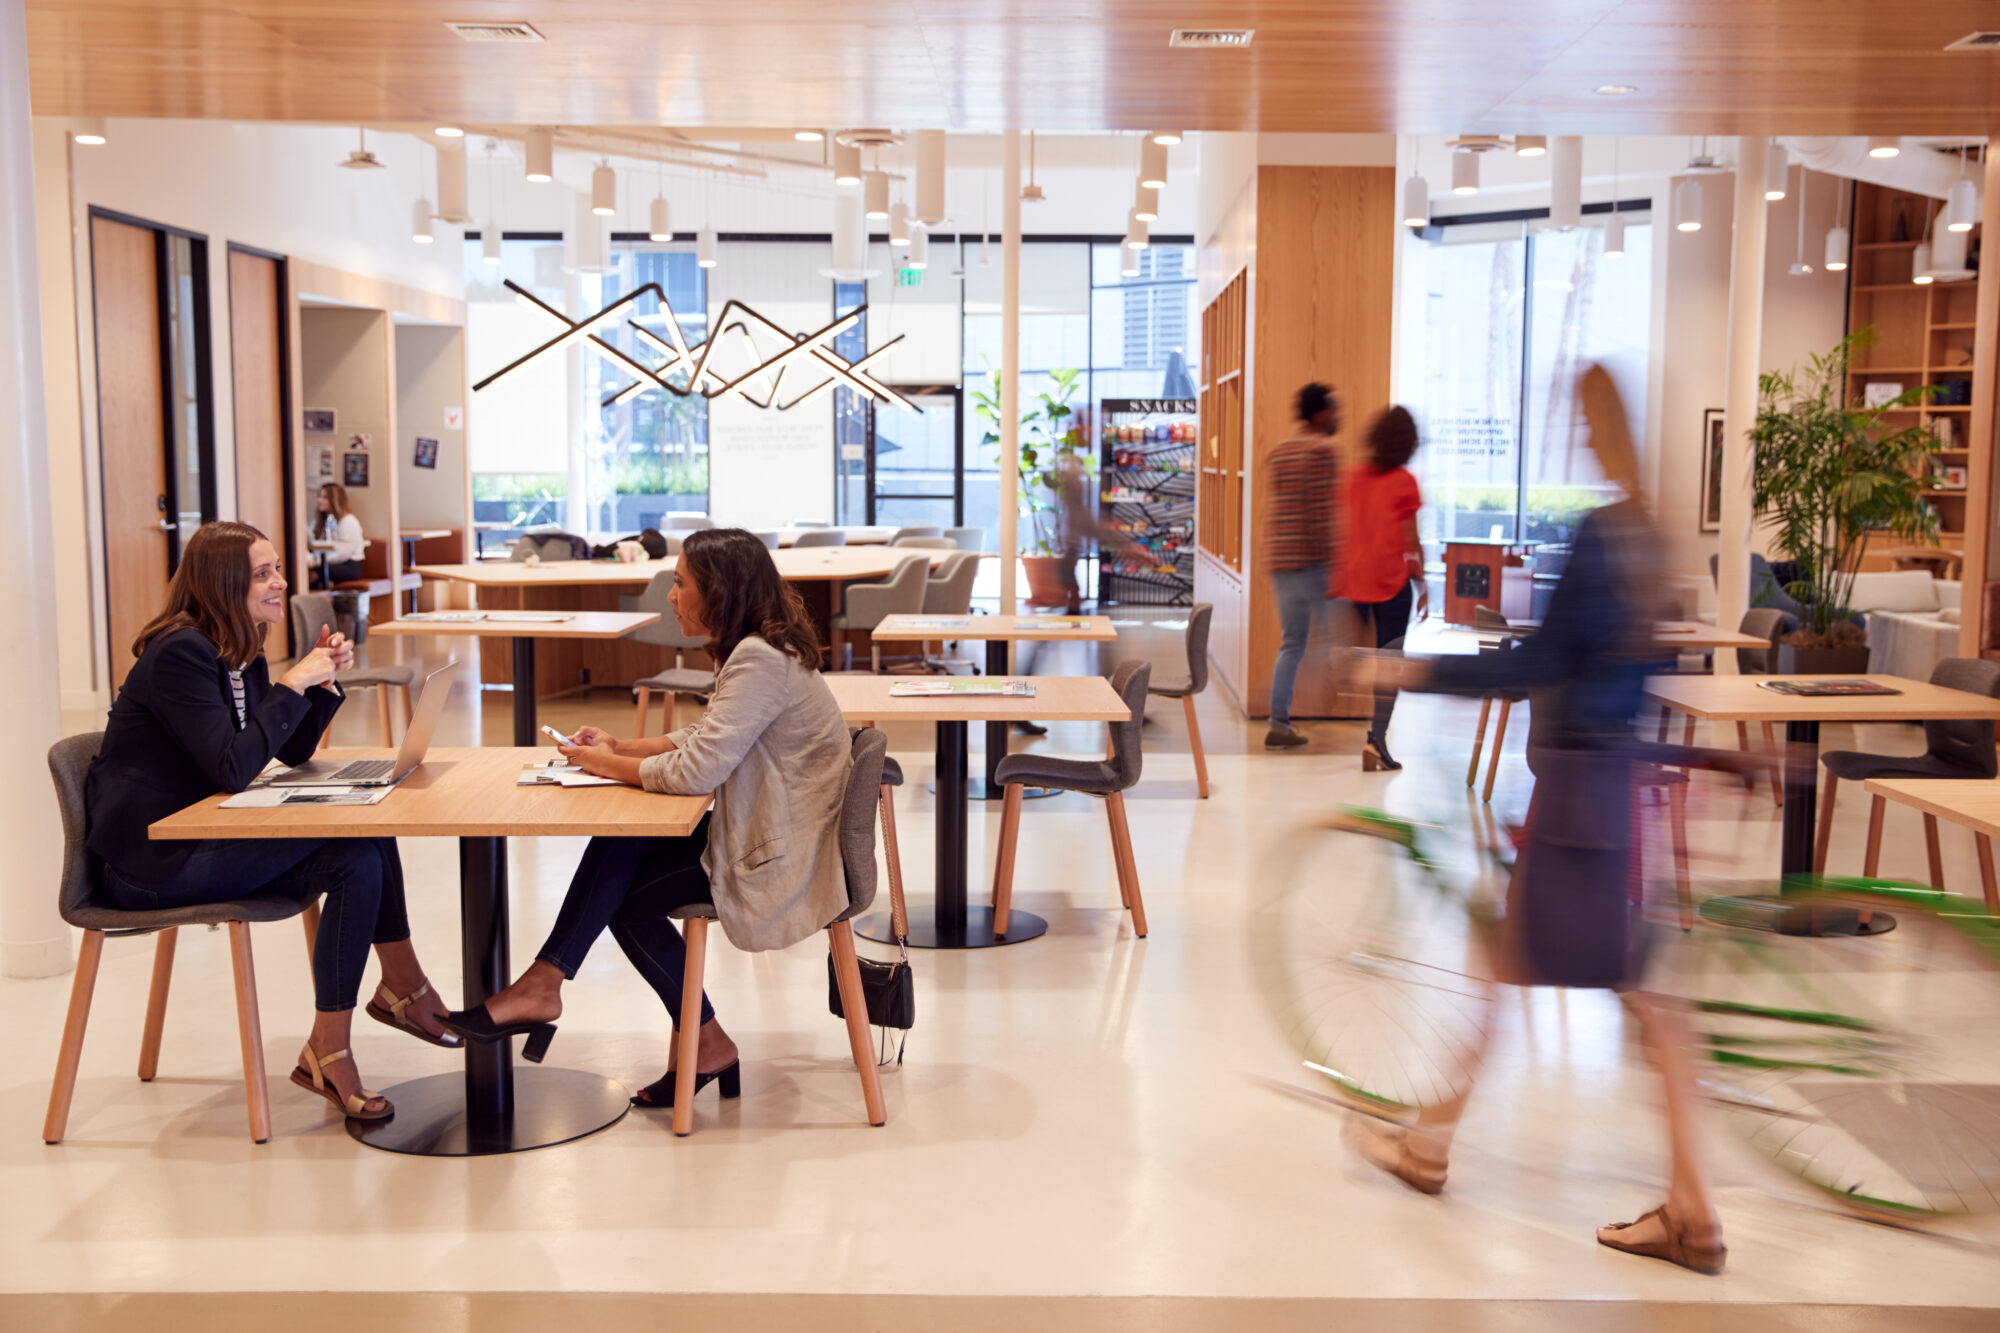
(198, 715)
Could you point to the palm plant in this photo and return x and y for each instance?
(1050, 445)
(1827, 472)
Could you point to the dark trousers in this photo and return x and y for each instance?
(632, 886)
(344, 571)
(1391, 620)
(362, 879)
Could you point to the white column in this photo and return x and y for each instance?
(1010, 370)
(1746, 336)
(34, 942)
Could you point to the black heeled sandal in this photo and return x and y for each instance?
(475, 1024)
(1375, 754)
(659, 1095)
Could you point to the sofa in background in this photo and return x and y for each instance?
(1912, 620)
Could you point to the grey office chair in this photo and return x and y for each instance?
(548, 549)
(81, 901)
(926, 543)
(311, 611)
(820, 537)
(677, 681)
(809, 523)
(948, 590)
(768, 536)
(857, 858)
(1196, 681)
(673, 541)
(868, 603)
(967, 539)
(915, 530)
(1109, 777)
(688, 522)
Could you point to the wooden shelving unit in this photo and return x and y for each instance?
(1219, 447)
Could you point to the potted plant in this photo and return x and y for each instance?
(1826, 473)
(1054, 452)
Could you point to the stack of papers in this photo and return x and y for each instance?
(1051, 622)
(561, 775)
(532, 617)
(270, 798)
(935, 686)
(444, 617)
(933, 622)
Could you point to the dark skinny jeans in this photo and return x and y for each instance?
(1391, 620)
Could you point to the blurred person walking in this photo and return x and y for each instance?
(1384, 571)
(1302, 544)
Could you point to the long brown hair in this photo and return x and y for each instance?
(739, 585)
(1392, 439)
(210, 592)
(336, 499)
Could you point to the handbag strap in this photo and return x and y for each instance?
(899, 915)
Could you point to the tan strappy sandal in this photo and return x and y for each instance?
(387, 1007)
(1388, 1149)
(311, 1075)
(1705, 1259)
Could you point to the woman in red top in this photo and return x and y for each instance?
(1385, 560)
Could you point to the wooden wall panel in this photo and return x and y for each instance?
(256, 373)
(1227, 257)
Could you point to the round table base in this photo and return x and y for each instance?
(551, 1106)
(977, 790)
(978, 932)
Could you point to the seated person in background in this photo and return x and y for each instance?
(198, 715)
(774, 750)
(337, 524)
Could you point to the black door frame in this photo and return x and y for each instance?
(919, 392)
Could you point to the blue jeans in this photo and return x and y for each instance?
(1302, 603)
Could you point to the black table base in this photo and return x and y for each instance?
(979, 789)
(524, 695)
(550, 1106)
(977, 933)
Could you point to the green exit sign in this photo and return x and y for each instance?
(909, 277)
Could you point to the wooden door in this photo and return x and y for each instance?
(131, 431)
(257, 377)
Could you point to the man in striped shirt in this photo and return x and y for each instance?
(1302, 541)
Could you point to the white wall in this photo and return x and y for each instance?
(430, 377)
(344, 365)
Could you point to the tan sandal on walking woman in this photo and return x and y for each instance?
(311, 1075)
(1673, 1247)
(387, 1007)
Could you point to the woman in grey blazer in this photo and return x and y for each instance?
(773, 749)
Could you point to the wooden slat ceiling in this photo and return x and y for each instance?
(1430, 66)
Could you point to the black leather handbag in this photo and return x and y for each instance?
(889, 989)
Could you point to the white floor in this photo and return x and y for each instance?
(1086, 1114)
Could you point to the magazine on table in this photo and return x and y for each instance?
(1051, 622)
(938, 686)
(1826, 688)
(933, 622)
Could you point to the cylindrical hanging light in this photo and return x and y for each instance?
(875, 193)
(919, 255)
(420, 223)
(541, 154)
(657, 228)
(451, 205)
(87, 130)
(1416, 202)
(1530, 145)
(1884, 145)
(899, 223)
(604, 190)
(1166, 136)
(1153, 163)
(1948, 254)
(1687, 205)
(850, 234)
(1777, 171)
(1137, 235)
(1614, 236)
(1920, 264)
(489, 242)
(930, 178)
(1464, 173)
(846, 164)
(1961, 206)
(1566, 182)
(1146, 203)
(1836, 249)
(1128, 262)
(704, 247)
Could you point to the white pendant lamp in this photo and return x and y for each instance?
(604, 190)
(875, 194)
(1166, 136)
(1153, 164)
(1836, 249)
(1800, 268)
(420, 223)
(1777, 165)
(1566, 182)
(1464, 173)
(1614, 235)
(1530, 145)
(704, 247)
(1961, 202)
(1948, 255)
(1687, 205)
(1128, 262)
(846, 164)
(1416, 202)
(899, 223)
(919, 253)
(656, 223)
(929, 208)
(88, 130)
(489, 242)
(1146, 203)
(451, 205)
(1920, 265)
(1137, 234)
(541, 154)
(850, 236)
(1884, 145)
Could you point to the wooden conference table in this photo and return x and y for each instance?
(866, 699)
(523, 635)
(471, 795)
(998, 632)
(1970, 803)
(1743, 699)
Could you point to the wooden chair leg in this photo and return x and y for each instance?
(71, 1052)
(1984, 846)
(1873, 859)
(1499, 739)
(1931, 847)
(256, 1091)
(645, 710)
(1777, 767)
(1003, 863)
(854, 1004)
(1677, 819)
(1743, 736)
(689, 1033)
(156, 1004)
(1666, 716)
(409, 707)
(382, 710)
(1826, 794)
(1194, 742)
(1687, 731)
(1478, 742)
(1128, 866)
(891, 854)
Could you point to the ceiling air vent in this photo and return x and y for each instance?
(495, 32)
(1225, 38)
(1977, 41)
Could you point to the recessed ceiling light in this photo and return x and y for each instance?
(450, 132)
(1615, 89)
(807, 136)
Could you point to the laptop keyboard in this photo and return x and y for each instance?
(364, 770)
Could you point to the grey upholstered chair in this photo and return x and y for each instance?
(1109, 777)
(820, 537)
(1957, 749)
(948, 590)
(673, 541)
(967, 539)
(687, 522)
(915, 530)
(857, 856)
(1485, 618)
(313, 610)
(1185, 690)
(926, 543)
(547, 549)
(809, 523)
(867, 604)
(677, 681)
(82, 905)
(768, 536)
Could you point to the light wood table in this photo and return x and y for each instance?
(1973, 804)
(470, 794)
(1744, 699)
(866, 699)
(1695, 634)
(997, 632)
(523, 634)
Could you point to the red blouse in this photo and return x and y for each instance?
(1380, 506)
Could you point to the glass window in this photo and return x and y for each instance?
(648, 456)
(518, 429)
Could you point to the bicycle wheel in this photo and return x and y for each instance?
(1864, 1065)
(1373, 966)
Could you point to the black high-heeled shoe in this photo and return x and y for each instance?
(1375, 754)
(475, 1024)
(659, 1095)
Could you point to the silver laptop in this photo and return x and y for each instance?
(381, 772)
